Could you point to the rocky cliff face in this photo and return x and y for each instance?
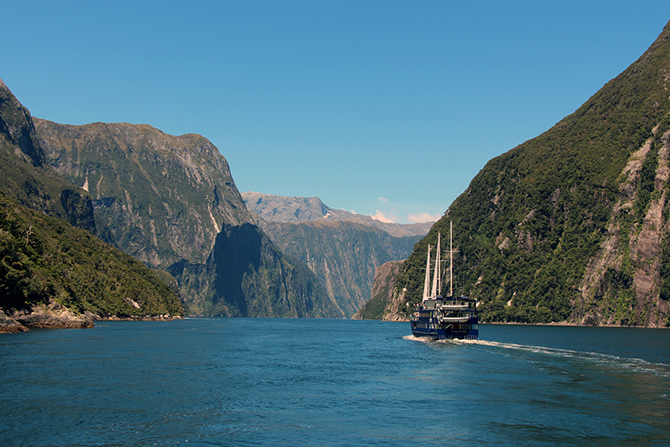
(342, 254)
(304, 209)
(170, 201)
(26, 177)
(343, 249)
(165, 198)
(571, 226)
(383, 304)
(625, 281)
(245, 275)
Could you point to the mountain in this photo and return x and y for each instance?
(165, 197)
(53, 274)
(246, 275)
(382, 292)
(302, 209)
(343, 249)
(342, 254)
(571, 226)
(171, 202)
(27, 177)
(45, 259)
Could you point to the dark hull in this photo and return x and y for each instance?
(446, 334)
(446, 319)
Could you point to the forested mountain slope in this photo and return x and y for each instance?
(571, 226)
(52, 273)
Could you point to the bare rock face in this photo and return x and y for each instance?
(164, 197)
(284, 209)
(9, 325)
(16, 124)
(53, 316)
(383, 304)
(343, 254)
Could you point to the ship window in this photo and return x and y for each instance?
(475, 326)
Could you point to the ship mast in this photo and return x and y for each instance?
(426, 283)
(436, 275)
(451, 259)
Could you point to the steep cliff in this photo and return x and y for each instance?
(381, 305)
(342, 254)
(171, 202)
(26, 178)
(165, 198)
(571, 226)
(245, 275)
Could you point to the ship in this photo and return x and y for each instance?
(444, 318)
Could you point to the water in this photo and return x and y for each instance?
(244, 382)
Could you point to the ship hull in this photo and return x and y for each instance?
(446, 334)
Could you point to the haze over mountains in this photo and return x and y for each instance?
(571, 226)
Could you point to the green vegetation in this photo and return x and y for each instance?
(532, 220)
(43, 257)
(374, 307)
(48, 250)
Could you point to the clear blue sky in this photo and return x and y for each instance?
(373, 106)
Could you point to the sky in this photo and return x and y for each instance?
(385, 108)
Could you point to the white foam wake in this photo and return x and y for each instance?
(595, 357)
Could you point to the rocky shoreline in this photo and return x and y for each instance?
(9, 325)
(56, 316)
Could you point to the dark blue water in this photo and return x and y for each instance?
(243, 382)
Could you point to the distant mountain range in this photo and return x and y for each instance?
(302, 209)
(571, 226)
(343, 249)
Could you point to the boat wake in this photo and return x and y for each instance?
(629, 363)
